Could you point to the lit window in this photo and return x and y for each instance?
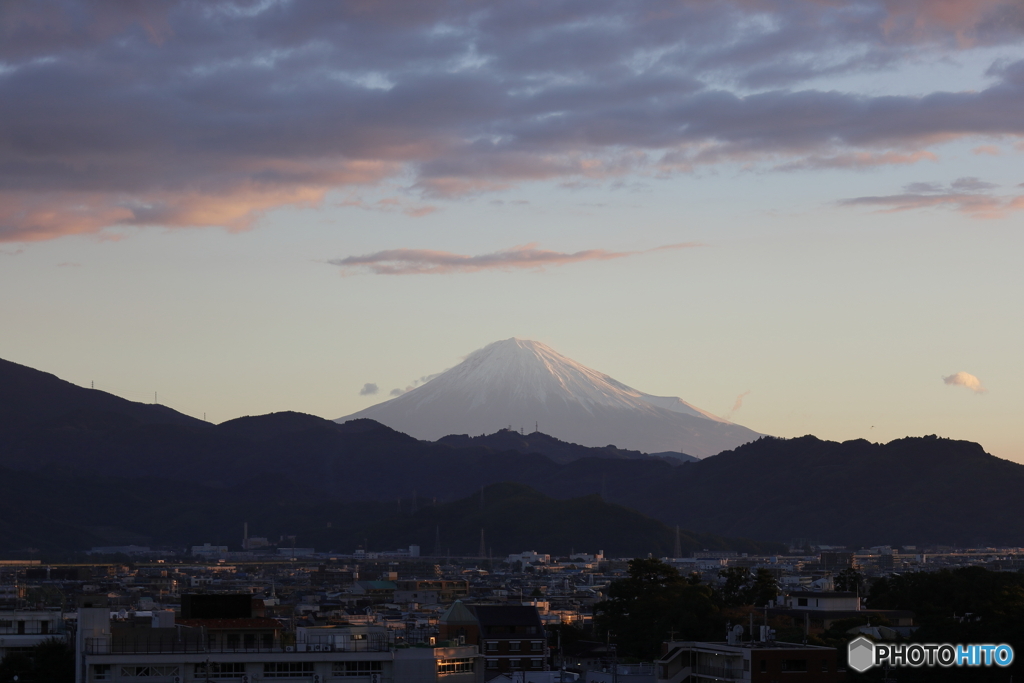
(454, 666)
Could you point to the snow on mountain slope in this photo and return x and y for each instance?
(518, 383)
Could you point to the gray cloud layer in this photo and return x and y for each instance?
(188, 113)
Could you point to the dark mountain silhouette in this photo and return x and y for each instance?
(55, 513)
(30, 399)
(909, 491)
(515, 517)
(556, 449)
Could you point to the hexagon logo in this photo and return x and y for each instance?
(860, 654)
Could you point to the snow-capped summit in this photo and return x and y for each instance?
(520, 383)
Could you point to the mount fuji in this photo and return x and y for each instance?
(516, 382)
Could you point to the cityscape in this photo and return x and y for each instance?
(582, 341)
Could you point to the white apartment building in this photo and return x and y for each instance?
(165, 649)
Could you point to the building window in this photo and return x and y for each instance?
(746, 665)
(537, 645)
(491, 646)
(536, 663)
(824, 666)
(356, 668)
(288, 670)
(232, 641)
(764, 666)
(514, 664)
(492, 663)
(454, 666)
(101, 672)
(513, 646)
(794, 665)
(801, 602)
(148, 671)
(220, 670)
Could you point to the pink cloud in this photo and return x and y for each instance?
(990, 150)
(857, 160)
(967, 380)
(528, 256)
(737, 405)
(969, 196)
(27, 216)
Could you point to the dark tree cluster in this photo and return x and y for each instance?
(52, 661)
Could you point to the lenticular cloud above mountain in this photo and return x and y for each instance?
(520, 383)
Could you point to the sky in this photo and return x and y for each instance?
(805, 215)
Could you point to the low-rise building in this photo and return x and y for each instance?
(510, 637)
(755, 661)
(23, 629)
(168, 650)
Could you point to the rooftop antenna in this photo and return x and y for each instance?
(155, 398)
(536, 427)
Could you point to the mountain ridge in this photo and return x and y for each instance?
(915, 490)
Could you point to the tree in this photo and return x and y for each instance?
(742, 588)
(763, 589)
(653, 604)
(849, 580)
(51, 661)
(733, 592)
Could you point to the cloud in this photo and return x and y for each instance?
(369, 389)
(184, 114)
(969, 196)
(398, 392)
(426, 378)
(736, 406)
(966, 379)
(528, 256)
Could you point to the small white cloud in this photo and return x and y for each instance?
(737, 405)
(966, 379)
